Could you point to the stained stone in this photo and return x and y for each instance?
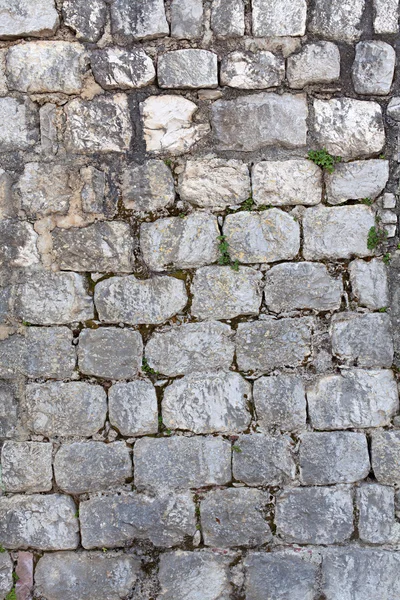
(55, 409)
(139, 301)
(26, 18)
(3, 79)
(337, 19)
(386, 17)
(94, 193)
(222, 293)
(189, 68)
(100, 247)
(186, 19)
(8, 411)
(7, 204)
(148, 187)
(354, 399)
(214, 183)
(253, 122)
(386, 456)
(110, 353)
(269, 344)
(315, 63)
(373, 67)
(376, 521)
(44, 189)
(393, 109)
(181, 463)
(274, 18)
(369, 282)
(26, 467)
(349, 128)
(42, 522)
(282, 183)
(227, 18)
(6, 572)
(356, 180)
(19, 124)
(133, 408)
(114, 68)
(280, 402)
(207, 403)
(234, 517)
(41, 67)
(87, 18)
(18, 244)
(191, 347)
(315, 515)
(86, 576)
(115, 520)
(252, 71)
(138, 20)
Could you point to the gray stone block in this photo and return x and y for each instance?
(6, 572)
(227, 18)
(36, 18)
(286, 182)
(133, 408)
(110, 353)
(18, 244)
(280, 403)
(376, 514)
(274, 18)
(19, 119)
(138, 20)
(8, 411)
(385, 450)
(190, 68)
(337, 19)
(187, 19)
(87, 18)
(148, 187)
(373, 67)
(315, 64)
(386, 16)
(356, 180)
(252, 71)
(114, 68)
(26, 467)
(44, 190)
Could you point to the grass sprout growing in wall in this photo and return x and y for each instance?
(376, 236)
(224, 256)
(323, 159)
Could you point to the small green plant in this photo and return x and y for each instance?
(168, 432)
(12, 594)
(2, 549)
(197, 511)
(375, 237)
(168, 162)
(235, 265)
(382, 156)
(224, 256)
(248, 204)
(198, 527)
(147, 368)
(387, 258)
(383, 309)
(77, 514)
(236, 449)
(160, 423)
(104, 549)
(181, 215)
(398, 246)
(26, 323)
(15, 577)
(323, 159)
(367, 201)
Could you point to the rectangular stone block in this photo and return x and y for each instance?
(147, 187)
(114, 68)
(275, 18)
(317, 63)
(337, 19)
(44, 189)
(9, 409)
(133, 408)
(227, 18)
(280, 402)
(369, 283)
(190, 68)
(138, 20)
(252, 70)
(18, 245)
(376, 514)
(36, 18)
(373, 68)
(386, 17)
(19, 124)
(385, 450)
(187, 19)
(110, 353)
(27, 467)
(286, 182)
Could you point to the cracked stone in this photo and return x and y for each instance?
(337, 19)
(114, 68)
(190, 68)
(26, 467)
(252, 71)
(373, 68)
(315, 63)
(19, 124)
(148, 187)
(276, 18)
(357, 180)
(186, 19)
(95, 194)
(33, 18)
(138, 21)
(280, 402)
(43, 190)
(87, 18)
(110, 353)
(18, 244)
(369, 283)
(133, 408)
(227, 18)
(281, 183)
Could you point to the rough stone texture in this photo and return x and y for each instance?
(207, 403)
(337, 19)
(332, 233)
(181, 463)
(189, 68)
(46, 67)
(357, 180)
(138, 21)
(135, 301)
(280, 403)
(253, 122)
(86, 18)
(282, 183)
(261, 460)
(110, 353)
(91, 466)
(227, 18)
(376, 521)
(114, 68)
(133, 408)
(24, 575)
(112, 521)
(18, 244)
(85, 576)
(369, 283)
(270, 343)
(8, 411)
(393, 109)
(234, 517)
(148, 187)
(252, 71)
(6, 571)
(278, 18)
(222, 293)
(65, 409)
(316, 63)
(180, 243)
(7, 204)
(214, 183)
(26, 467)
(354, 399)
(386, 456)
(19, 20)
(337, 457)
(186, 19)
(373, 68)
(291, 286)
(19, 124)
(43, 522)
(94, 192)
(44, 189)
(386, 17)
(315, 515)
(191, 347)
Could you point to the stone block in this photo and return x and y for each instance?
(8, 411)
(280, 403)
(385, 450)
(33, 18)
(110, 353)
(18, 245)
(133, 408)
(19, 124)
(87, 18)
(286, 182)
(190, 68)
(6, 572)
(357, 180)
(252, 71)
(227, 18)
(369, 282)
(376, 514)
(386, 17)
(26, 467)
(44, 189)
(337, 19)
(138, 21)
(115, 68)
(373, 68)
(148, 187)
(187, 19)
(317, 63)
(279, 18)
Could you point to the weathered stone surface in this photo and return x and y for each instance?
(7, 203)
(43, 189)
(286, 182)
(369, 282)
(116, 520)
(18, 244)
(110, 353)
(337, 19)
(26, 467)
(43, 522)
(91, 466)
(214, 183)
(40, 67)
(86, 576)
(354, 399)
(180, 243)
(181, 463)
(386, 456)
(263, 460)
(357, 180)
(147, 187)
(99, 125)
(278, 18)
(227, 18)
(191, 347)
(337, 457)
(252, 71)
(6, 571)
(168, 126)
(3, 78)
(133, 408)
(207, 403)
(315, 515)
(65, 409)
(22, 19)
(270, 343)
(100, 247)
(186, 19)
(222, 293)
(393, 109)
(87, 18)
(376, 520)
(389, 200)
(280, 403)
(138, 21)
(114, 68)
(19, 124)
(373, 67)
(315, 63)
(8, 411)
(253, 122)
(49, 133)
(334, 233)
(349, 128)
(386, 17)
(234, 517)
(291, 286)
(136, 301)
(189, 68)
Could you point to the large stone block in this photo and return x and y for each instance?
(186, 19)
(386, 16)
(227, 18)
(274, 18)
(190, 68)
(252, 71)
(114, 68)
(286, 182)
(8, 411)
(87, 18)
(148, 187)
(376, 514)
(369, 282)
(386, 456)
(373, 67)
(133, 408)
(33, 18)
(314, 64)
(337, 19)
(6, 574)
(19, 124)
(110, 353)
(357, 180)
(280, 403)
(44, 189)
(26, 467)
(18, 245)
(138, 20)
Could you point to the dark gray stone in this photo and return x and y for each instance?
(18, 245)
(87, 18)
(133, 408)
(280, 403)
(337, 19)
(19, 119)
(187, 19)
(148, 187)
(114, 68)
(386, 456)
(138, 20)
(227, 18)
(8, 411)
(376, 514)
(373, 67)
(110, 353)
(36, 18)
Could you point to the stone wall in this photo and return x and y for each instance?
(199, 300)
